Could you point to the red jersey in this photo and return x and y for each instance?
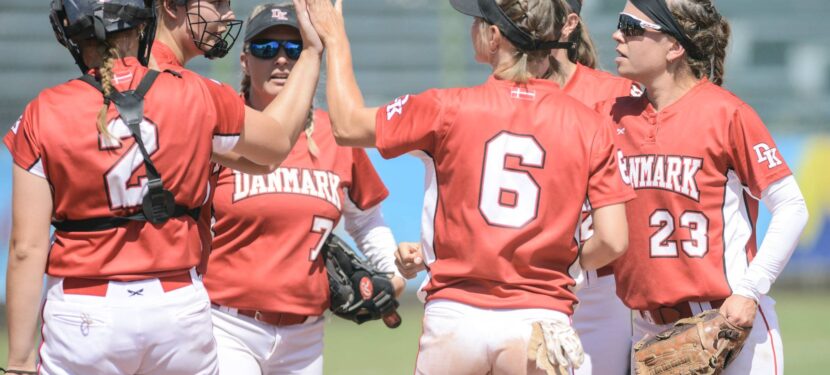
(591, 86)
(96, 176)
(698, 166)
(508, 167)
(166, 59)
(269, 229)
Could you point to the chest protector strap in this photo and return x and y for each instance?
(158, 205)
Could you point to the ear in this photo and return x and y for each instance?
(243, 61)
(571, 23)
(676, 52)
(494, 39)
(168, 9)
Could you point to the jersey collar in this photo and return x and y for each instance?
(679, 105)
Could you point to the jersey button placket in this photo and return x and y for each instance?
(652, 130)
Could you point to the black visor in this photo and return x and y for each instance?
(491, 12)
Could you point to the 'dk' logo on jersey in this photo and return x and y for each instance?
(16, 125)
(396, 108)
(665, 172)
(767, 154)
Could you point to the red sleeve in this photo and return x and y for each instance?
(23, 144)
(229, 106)
(605, 183)
(753, 152)
(367, 189)
(411, 122)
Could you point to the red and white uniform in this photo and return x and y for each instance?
(269, 231)
(692, 226)
(96, 176)
(602, 320)
(508, 168)
(166, 59)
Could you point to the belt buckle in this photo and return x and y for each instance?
(258, 316)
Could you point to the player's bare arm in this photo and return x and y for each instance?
(353, 124)
(240, 163)
(286, 115)
(610, 238)
(28, 253)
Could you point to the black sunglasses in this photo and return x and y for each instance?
(633, 26)
(269, 48)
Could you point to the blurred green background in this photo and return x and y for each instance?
(373, 349)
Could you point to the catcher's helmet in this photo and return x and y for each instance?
(76, 20)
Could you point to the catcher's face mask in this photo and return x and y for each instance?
(212, 25)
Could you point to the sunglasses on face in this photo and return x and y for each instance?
(268, 49)
(633, 26)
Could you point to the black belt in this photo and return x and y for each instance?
(104, 223)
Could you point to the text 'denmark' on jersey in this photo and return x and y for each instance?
(767, 154)
(396, 108)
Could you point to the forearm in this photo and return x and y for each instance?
(237, 162)
(290, 108)
(789, 217)
(24, 282)
(596, 254)
(352, 122)
(610, 237)
(372, 236)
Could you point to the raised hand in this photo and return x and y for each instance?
(327, 19)
(311, 40)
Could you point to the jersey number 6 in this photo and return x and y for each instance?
(121, 193)
(510, 197)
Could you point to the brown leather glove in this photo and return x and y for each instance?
(703, 344)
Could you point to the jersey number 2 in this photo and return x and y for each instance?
(121, 193)
(510, 197)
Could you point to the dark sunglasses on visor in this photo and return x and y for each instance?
(633, 26)
(268, 49)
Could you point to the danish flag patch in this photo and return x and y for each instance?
(522, 94)
(366, 288)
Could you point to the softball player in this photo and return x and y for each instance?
(601, 320)
(700, 160)
(508, 170)
(192, 28)
(121, 294)
(266, 276)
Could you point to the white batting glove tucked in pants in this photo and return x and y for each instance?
(460, 339)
